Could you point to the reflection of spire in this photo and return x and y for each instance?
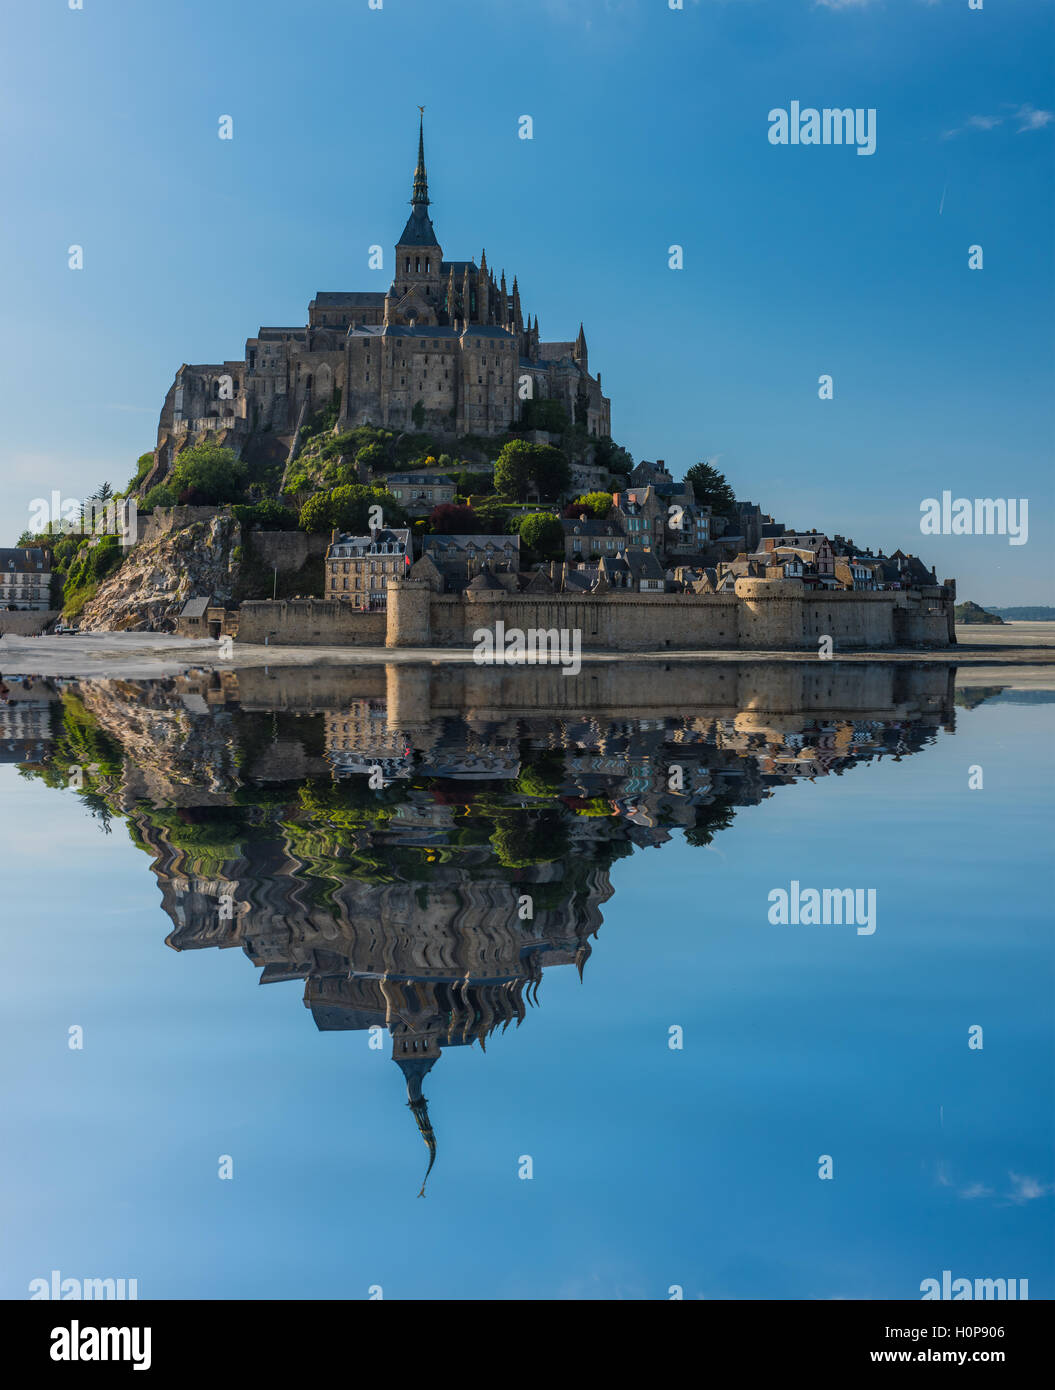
(415, 1069)
(582, 955)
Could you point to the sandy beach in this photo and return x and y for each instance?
(1000, 654)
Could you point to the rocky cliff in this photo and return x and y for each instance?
(158, 577)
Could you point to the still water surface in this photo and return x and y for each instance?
(532, 951)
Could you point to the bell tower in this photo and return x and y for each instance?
(418, 288)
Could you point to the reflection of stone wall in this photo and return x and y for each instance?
(416, 693)
(762, 615)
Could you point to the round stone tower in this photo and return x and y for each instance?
(409, 622)
(770, 614)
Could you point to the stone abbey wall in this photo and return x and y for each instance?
(762, 615)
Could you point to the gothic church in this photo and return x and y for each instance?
(447, 349)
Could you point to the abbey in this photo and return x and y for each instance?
(448, 349)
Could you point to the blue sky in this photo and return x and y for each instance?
(652, 1167)
(650, 129)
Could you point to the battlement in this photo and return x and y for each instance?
(761, 615)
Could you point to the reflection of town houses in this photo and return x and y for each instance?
(25, 722)
(25, 579)
(358, 568)
(402, 906)
(362, 727)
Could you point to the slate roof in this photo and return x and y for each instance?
(419, 230)
(484, 580)
(368, 545)
(580, 580)
(644, 564)
(336, 299)
(406, 330)
(437, 546)
(418, 479)
(573, 527)
(195, 608)
(24, 560)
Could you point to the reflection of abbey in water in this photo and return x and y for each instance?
(419, 871)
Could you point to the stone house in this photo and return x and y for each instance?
(459, 558)
(585, 538)
(641, 515)
(25, 579)
(358, 568)
(418, 493)
(807, 540)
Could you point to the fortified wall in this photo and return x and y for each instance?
(761, 615)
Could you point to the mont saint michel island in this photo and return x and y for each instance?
(526, 675)
(416, 467)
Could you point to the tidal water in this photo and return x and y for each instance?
(516, 945)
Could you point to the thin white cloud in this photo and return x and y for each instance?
(857, 4)
(1028, 118)
(1032, 119)
(1026, 1189)
(976, 1189)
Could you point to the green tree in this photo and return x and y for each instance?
(513, 469)
(372, 457)
(547, 415)
(522, 468)
(608, 454)
(160, 495)
(208, 473)
(103, 492)
(544, 534)
(711, 489)
(596, 505)
(348, 509)
(144, 464)
(268, 515)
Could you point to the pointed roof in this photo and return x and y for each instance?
(419, 230)
(414, 1069)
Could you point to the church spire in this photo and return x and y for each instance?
(421, 182)
(419, 230)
